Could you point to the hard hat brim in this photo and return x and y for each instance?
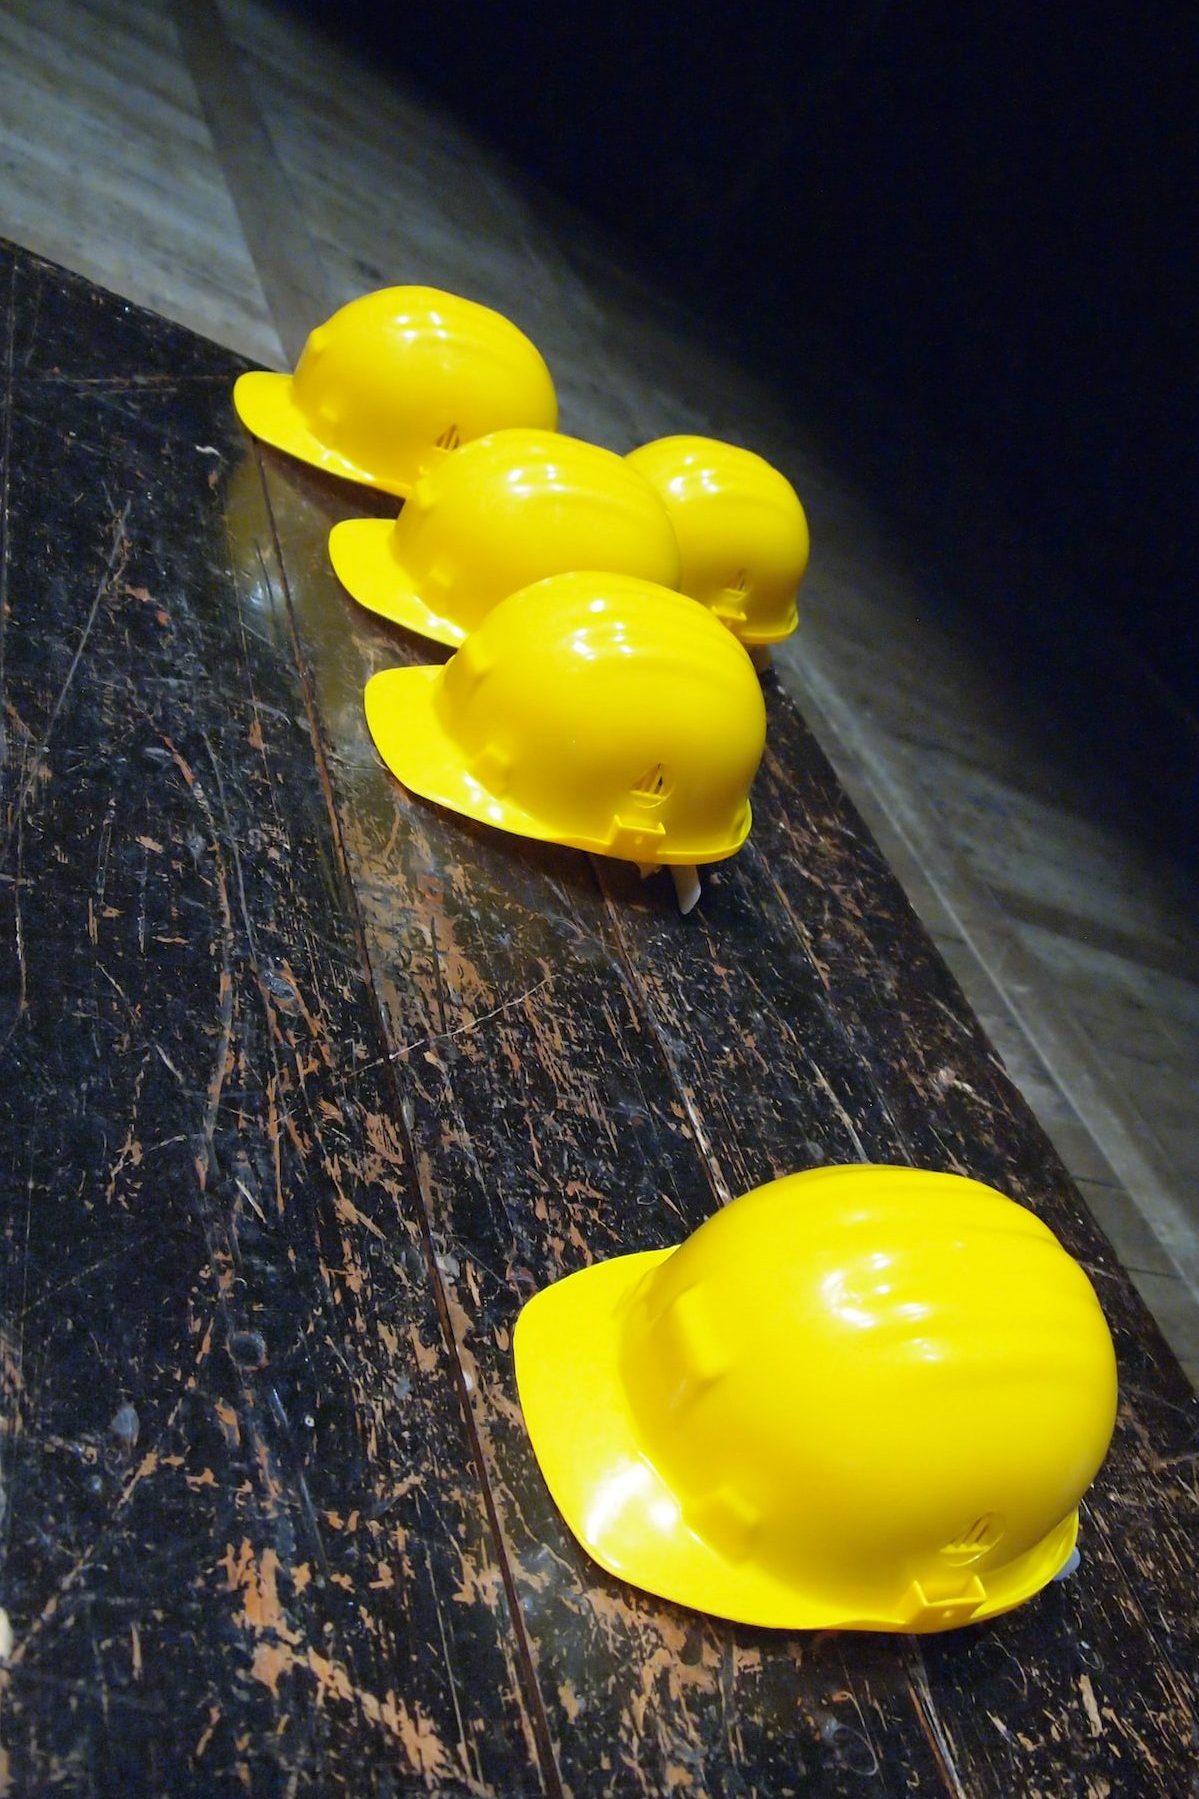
(762, 639)
(408, 734)
(572, 1391)
(402, 718)
(361, 551)
(266, 406)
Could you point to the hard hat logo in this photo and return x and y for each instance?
(778, 1420)
(742, 533)
(373, 386)
(509, 509)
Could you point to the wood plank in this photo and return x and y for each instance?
(284, 255)
(108, 165)
(1109, 1647)
(245, 1542)
(548, 1132)
(582, 1078)
(957, 1109)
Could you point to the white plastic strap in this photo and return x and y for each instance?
(1070, 1566)
(686, 886)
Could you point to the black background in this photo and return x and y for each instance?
(964, 236)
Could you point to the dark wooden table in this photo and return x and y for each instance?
(306, 1086)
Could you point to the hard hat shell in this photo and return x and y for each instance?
(743, 536)
(507, 510)
(863, 1398)
(394, 381)
(589, 709)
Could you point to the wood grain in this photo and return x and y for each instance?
(589, 1073)
(281, 1576)
(307, 1085)
(884, 1000)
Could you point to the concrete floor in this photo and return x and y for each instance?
(237, 172)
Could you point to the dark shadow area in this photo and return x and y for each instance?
(964, 238)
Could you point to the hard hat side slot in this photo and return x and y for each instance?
(654, 786)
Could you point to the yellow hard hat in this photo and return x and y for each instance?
(589, 709)
(859, 1398)
(743, 537)
(508, 510)
(394, 381)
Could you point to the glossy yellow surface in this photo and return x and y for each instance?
(507, 510)
(742, 533)
(395, 381)
(866, 1398)
(590, 709)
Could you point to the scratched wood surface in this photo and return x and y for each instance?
(308, 1085)
(243, 1542)
(584, 1072)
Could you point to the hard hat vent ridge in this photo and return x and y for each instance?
(974, 1541)
(655, 784)
(449, 439)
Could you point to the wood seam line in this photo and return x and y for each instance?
(5, 443)
(1059, 1044)
(613, 935)
(538, 1715)
(1161, 954)
(285, 259)
(919, 1692)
